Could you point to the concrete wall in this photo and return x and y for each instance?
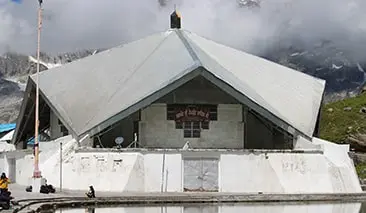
(239, 171)
(302, 143)
(226, 132)
(5, 161)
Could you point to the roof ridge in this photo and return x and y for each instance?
(188, 46)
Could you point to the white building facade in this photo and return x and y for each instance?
(194, 115)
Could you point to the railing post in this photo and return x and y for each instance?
(61, 166)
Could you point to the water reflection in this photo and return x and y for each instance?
(248, 208)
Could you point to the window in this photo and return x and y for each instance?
(192, 129)
(192, 125)
(205, 124)
(170, 115)
(178, 125)
(63, 129)
(213, 112)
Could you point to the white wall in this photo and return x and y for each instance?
(172, 172)
(4, 162)
(262, 171)
(227, 132)
(330, 172)
(301, 143)
(136, 209)
(6, 147)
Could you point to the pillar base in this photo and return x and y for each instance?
(36, 183)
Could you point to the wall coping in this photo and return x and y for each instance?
(175, 151)
(19, 153)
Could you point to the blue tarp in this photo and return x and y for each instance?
(17, 1)
(6, 127)
(31, 140)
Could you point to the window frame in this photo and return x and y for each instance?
(192, 129)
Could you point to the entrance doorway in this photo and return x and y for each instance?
(201, 209)
(201, 174)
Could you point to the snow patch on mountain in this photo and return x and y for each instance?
(336, 67)
(360, 67)
(47, 65)
(21, 84)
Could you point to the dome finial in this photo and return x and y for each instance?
(175, 19)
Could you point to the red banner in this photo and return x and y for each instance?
(193, 114)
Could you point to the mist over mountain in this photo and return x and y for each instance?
(322, 38)
(69, 26)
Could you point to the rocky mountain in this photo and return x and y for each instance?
(344, 76)
(14, 71)
(248, 3)
(10, 99)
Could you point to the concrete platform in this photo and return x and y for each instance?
(30, 202)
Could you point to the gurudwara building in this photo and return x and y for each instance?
(178, 112)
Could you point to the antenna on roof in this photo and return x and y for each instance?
(175, 17)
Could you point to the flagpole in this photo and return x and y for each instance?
(37, 172)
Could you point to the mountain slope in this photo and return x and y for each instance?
(14, 71)
(345, 121)
(344, 75)
(10, 100)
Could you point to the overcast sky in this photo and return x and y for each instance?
(72, 25)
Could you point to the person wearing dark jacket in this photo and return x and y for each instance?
(91, 193)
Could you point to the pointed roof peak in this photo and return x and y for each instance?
(175, 19)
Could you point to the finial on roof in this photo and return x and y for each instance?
(175, 19)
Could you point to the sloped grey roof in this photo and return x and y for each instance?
(90, 91)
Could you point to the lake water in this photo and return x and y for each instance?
(235, 208)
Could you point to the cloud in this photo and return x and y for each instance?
(72, 25)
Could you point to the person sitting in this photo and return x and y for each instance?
(91, 193)
(4, 182)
